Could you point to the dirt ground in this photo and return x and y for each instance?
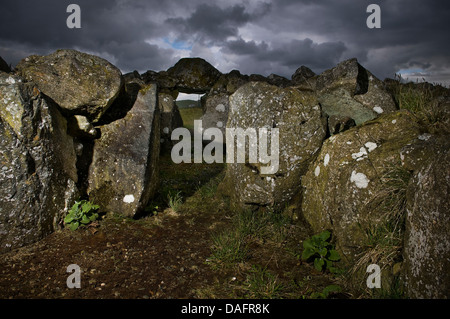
(163, 255)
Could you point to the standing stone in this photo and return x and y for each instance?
(80, 83)
(37, 164)
(216, 111)
(427, 236)
(170, 119)
(302, 129)
(123, 173)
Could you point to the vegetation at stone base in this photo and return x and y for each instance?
(417, 98)
(319, 249)
(175, 200)
(189, 115)
(82, 213)
(384, 241)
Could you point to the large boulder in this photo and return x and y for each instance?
(80, 83)
(349, 90)
(297, 116)
(38, 172)
(123, 173)
(193, 75)
(349, 177)
(427, 236)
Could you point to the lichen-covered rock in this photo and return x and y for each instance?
(302, 75)
(170, 119)
(229, 83)
(80, 83)
(123, 174)
(350, 90)
(278, 80)
(297, 116)
(38, 172)
(216, 111)
(347, 174)
(427, 236)
(193, 75)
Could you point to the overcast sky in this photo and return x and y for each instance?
(253, 36)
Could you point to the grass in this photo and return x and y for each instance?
(419, 99)
(384, 241)
(189, 115)
(175, 200)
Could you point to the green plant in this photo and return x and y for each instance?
(262, 284)
(82, 213)
(326, 292)
(319, 249)
(228, 249)
(175, 201)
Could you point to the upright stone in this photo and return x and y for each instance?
(123, 173)
(427, 237)
(297, 116)
(37, 164)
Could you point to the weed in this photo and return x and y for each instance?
(262, 284)
(175, 200)
(82, 213)
(384, 239)
(228, 249)
(318, 249)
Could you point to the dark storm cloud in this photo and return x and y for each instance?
(212, 23)
(254, 36)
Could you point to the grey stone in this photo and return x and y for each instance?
(80, 83)
(38, 164)
(123, 174)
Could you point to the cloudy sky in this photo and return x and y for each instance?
(253, 36)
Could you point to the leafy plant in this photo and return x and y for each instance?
(319, 249)
(326, 292)
(82, 213)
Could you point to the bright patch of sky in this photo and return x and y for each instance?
(178, 45)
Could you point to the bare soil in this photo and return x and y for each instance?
(163, 255)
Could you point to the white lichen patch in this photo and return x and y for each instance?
(326, 159)
(166, 130)
(424, 137)
(128, 199)
(378, 109)
(360, 180)
(317, 171)
(220, 108)
(219, 124)
(370, 146)
(362, 154)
